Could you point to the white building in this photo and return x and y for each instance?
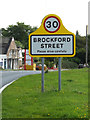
(10, 55)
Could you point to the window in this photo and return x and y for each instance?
(10, 53)
(1, 64)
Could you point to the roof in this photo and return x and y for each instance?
(4, 44)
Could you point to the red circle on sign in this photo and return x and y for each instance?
(58, 25)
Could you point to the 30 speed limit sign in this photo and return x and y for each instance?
(52, 39)
(51, 24)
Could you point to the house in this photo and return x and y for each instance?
(10, 54)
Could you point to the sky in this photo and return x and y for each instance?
(73, 13)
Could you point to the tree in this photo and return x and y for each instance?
(19, 44)
(80, 50)
(89, 49)
(20, 32)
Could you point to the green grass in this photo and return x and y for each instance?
(23, 99)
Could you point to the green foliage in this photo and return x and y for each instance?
(19, 44)
(89, 49)
(50, 61)
(80, 42)
(49, 64)
(37, 60)
(81, 54)
(1, 68)
(69, 65)
(20, 32)
(80, 57)
(72, 59)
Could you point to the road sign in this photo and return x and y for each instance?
(51, 24)
(52, 45)
(52, 39)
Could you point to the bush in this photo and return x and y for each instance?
(69, 64)
(49, 64)
(1, 68)
(89, 63)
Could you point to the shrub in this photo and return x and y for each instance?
(49, 64)
(1, 68)
(68, 64)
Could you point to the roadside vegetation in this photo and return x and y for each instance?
(20, 32)
(24, 99)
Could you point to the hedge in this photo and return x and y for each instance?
(68, 64)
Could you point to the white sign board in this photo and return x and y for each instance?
(52, 39)
(52, 44)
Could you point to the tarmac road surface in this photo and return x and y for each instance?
(9, 76)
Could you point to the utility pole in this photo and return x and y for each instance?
(86, 47)
(89, 17)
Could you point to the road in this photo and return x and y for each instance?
(8, 76)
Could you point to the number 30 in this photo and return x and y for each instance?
(53, 24)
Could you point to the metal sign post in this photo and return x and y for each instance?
(52, 39)
(42, 74)
(59, 74)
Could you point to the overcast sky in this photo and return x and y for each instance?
(74, 13)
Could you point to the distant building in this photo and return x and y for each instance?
(10, 55)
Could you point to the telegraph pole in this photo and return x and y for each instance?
(86, 47)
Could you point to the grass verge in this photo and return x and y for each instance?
(23, 99)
